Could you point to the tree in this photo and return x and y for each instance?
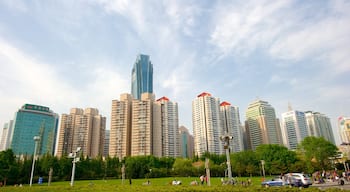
(317, 152)
(244, 163)
(277, 158)
(183, 167)
(8, 167)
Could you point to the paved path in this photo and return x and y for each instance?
(332, 185)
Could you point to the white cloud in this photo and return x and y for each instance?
(17, 5)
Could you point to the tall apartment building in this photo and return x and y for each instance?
(294, 128)
(166, 140)
(34, 120)
(106, 143)
(344, 129)
(186, 143)
(232, 126)
(84, 129)
(319, 125)
(262, 127)
(6, 136)
(141, 76)
(120, 135)
(207, 127)
(142, 125)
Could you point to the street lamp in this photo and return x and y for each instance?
(226, 139)
(36, 141)
(75, 160)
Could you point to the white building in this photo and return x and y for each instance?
(166, 129)
(344, 129)
(294, 128)
(6, 136)
(232, 126)
(206, 125)
(319, 125)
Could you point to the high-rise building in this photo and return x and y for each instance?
(120, 135)
(319, 125)
(6, 136)
(206, 124)
(262, 126)
(344, 129)
(142, 124)
(166, 140)
(34, 120)
(141, 76)
(294, 128)
(106, 143)
(84, 129)
(232, 126)
(186, 143)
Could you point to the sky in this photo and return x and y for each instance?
(65, 54)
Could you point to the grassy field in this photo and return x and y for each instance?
(158, 184)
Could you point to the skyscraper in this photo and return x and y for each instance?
(344, 129)
(262, 126)
(141, 76)
(6, 136)
(232, 126)
(165, 128)
(319, 125)
(34, 120)
(294, 128)
(84, 129)
(142, 125)
(206, 124)
(186, 143)
(120, 135)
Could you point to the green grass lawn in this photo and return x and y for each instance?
(157, 184)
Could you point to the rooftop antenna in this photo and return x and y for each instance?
(289, 106)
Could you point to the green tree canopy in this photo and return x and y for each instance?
(277, 158)
(317, 151)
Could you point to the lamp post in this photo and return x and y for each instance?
(36, 141)
(75, 160)
(226, 139)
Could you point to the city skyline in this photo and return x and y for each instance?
(56, 53)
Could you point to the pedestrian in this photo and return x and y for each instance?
(202, 179)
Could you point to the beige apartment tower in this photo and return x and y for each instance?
(262, 126)
(142, 124)
(120, 133)
(84, 129)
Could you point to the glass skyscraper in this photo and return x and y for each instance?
(30, 121)
(141, 76)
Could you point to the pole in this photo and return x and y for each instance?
(263, 168)
(229, 172)
(36, 139)
(73, 172)
(207, 170)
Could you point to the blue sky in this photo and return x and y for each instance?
(65, 54)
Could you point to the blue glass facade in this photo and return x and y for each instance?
(30, 121)
(141, 76)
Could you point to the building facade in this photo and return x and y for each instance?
(120, 135)
(106, 143)
(231, 124)
(186, 143)
(34, 120)
(319, 125)
(166, 139)
(84, 129)
(206, 124)
(262, 126)
(294, 128)
(344, 129)
(142, 125)
(6, 136)
(141, 76)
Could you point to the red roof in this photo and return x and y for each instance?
(225, 103)
(163, 99)
(204, 94)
